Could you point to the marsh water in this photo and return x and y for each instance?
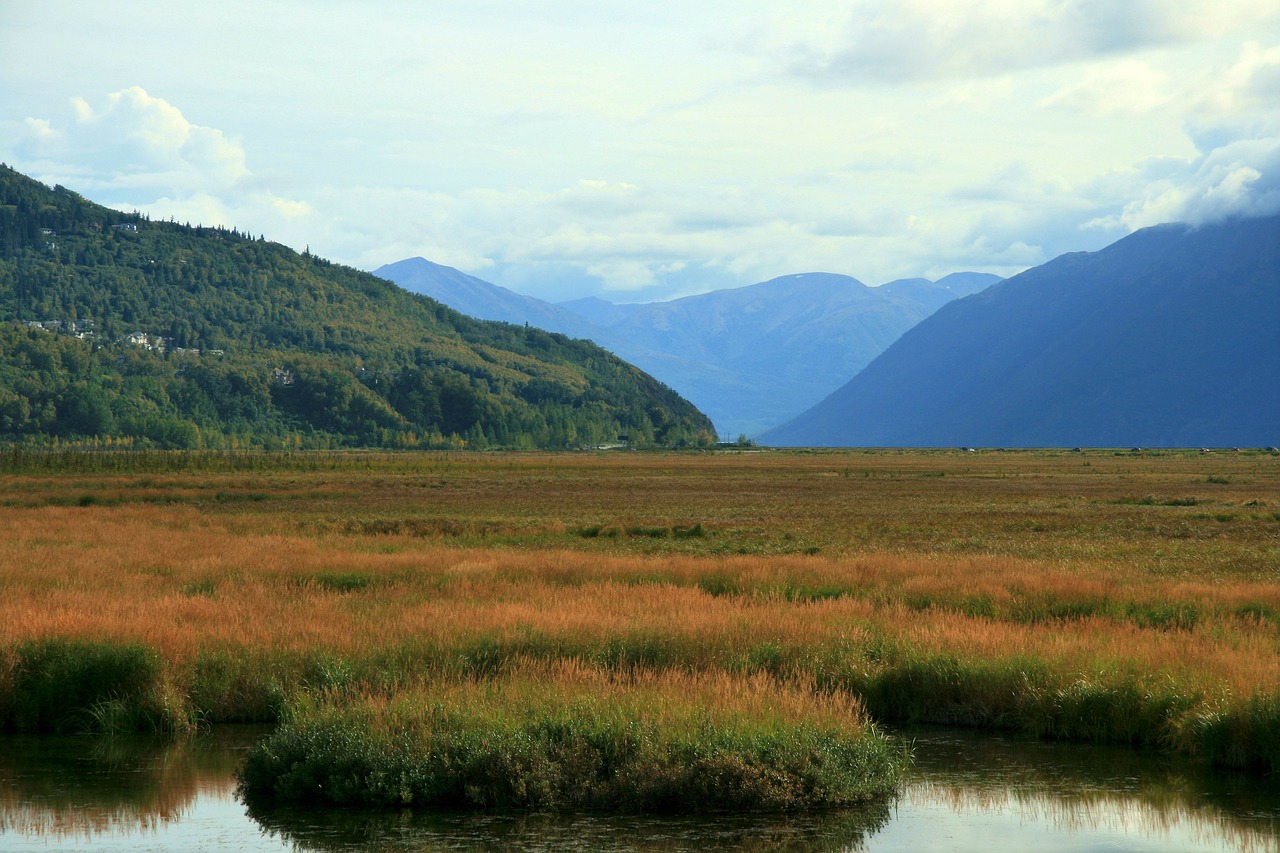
(965, 792)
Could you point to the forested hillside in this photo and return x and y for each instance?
(116, 328)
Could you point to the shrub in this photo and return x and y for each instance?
(75, 685)
(577, 738)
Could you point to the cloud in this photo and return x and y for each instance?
(1236, 171)
(137, 151)
(1239, 179)
(648, 242)
(623, 275)
(39, 133)
(1252, 83)
(985, 170)
(1129, 86)
(136, 142)
(939, 39)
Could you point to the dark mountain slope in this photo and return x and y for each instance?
(1169, 337)
(115, 326)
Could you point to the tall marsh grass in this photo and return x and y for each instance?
(61, 685)
(563, 735)
(1079, 616)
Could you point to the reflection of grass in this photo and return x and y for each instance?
(1077, 788)
(1020, 590)
(436, 831)
(69, 789)
(562, 735)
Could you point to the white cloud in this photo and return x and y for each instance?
(559, 153)
(623, 275)
(1236, 172)
(1129, 86)
(1252, 83)
(135, 150)
(932, 39)
(40, 133)
(1240, 179)
(138, 142)
(291, 209)
(196, 209)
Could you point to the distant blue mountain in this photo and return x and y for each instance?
(750, 357)
(600, 311)
(480, 299)
(934, 294)
(1168, 337)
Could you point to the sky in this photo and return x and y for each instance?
(646, 151)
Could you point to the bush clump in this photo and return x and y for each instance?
(60, 684)
(577, 738)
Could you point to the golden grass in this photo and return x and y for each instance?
(177, 581)
(830, 566)
(533, 689)
(264, 594)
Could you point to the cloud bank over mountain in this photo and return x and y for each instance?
(561, 154)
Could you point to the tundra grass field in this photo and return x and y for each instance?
(678, 628)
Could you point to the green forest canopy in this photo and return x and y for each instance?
(118, 329)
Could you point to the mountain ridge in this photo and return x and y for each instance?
(1164, 338)
(750, 357)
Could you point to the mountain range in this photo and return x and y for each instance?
(1167, 337)
(750, 357)
(118, 329)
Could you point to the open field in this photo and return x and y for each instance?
(1109, 596)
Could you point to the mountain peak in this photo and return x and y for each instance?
(814, 279)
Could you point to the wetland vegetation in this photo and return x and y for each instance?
(746, 608)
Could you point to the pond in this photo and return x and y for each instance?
(966, 792)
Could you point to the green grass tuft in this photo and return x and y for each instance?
(61, 685)
(607, 747)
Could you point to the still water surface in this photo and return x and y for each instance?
(966, 792)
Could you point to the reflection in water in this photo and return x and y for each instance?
(833, 832)
(965, 792)
(60, 788)
(1074, 789)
